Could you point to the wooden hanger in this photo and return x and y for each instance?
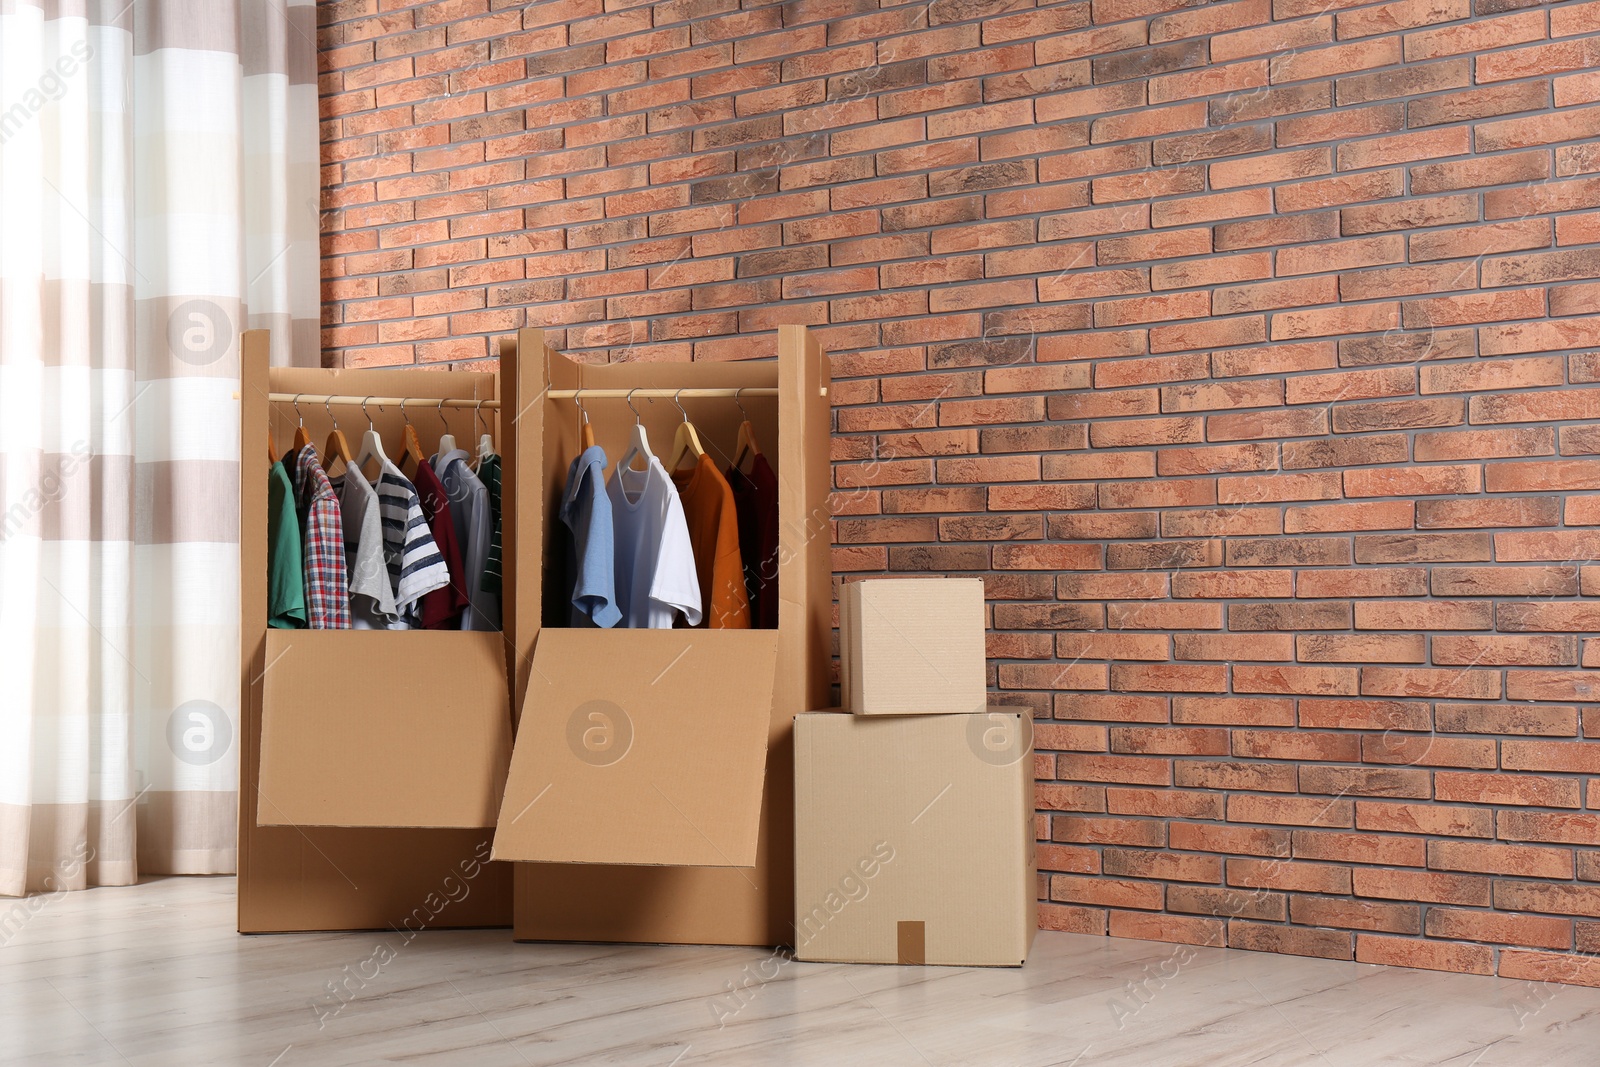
(410, 443)
(639, 443)
(337, 447)
(301, 437)
(687, 440)
(746, 443)
(585, 430)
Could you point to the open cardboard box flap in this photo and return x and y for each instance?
(641, 747)
(372, 728)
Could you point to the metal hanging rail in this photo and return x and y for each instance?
(380, 401)
(555, 394)
(687, 394)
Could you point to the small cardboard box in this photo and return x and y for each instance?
(912, 646)
(914, 839)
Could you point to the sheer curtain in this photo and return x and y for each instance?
(158, 195)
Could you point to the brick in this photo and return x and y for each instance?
(1361, 648)
(1549, 967)
(1422, 548)
(1424, 818)
(1234, 711)
(1428, 955)
(1294, 745)
(1146, 926)
(1233, 647)
(1291, 940)
(1466, 684)
(1167, 866)
(1084, 889)
(1208, 900)
(1294, 877)
(1484, 858)
(1306, 680)
(1546, 898)
(1269, 616)
(1426, 886)
(1407, 347)
(1163, 802)
(1218, 774)
(1345, 847)
(1356, 914)
(1235, 840)
(1508, 719)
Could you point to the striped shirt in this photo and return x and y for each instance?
(415, 565)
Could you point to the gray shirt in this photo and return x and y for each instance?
(372, 604)
(474, 522)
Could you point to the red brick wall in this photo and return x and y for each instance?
(1245, 348)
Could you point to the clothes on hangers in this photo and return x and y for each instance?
(755, 498)
(416, 566)
(489, 475)
(326, 582)
(372, 605)
(474, 527)
(286, 580)
(709, 510)
(442, 609)
(591, 566)
(654, 560)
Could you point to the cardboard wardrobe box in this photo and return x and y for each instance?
(912, 646)
(914, 838)
(372, 763)
(650, 792)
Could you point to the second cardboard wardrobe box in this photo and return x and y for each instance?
(650, 795)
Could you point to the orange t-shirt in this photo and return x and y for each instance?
(714, 533)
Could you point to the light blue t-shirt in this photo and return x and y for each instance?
(586, 511)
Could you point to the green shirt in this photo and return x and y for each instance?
(286, 583)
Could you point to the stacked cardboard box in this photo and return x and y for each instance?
(914, 838)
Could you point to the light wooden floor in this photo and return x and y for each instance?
(154, 975)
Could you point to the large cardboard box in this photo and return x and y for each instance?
(371, 763)
(914, 839)
(649, 796)
(912, 646)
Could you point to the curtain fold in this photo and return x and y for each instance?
(158, 196)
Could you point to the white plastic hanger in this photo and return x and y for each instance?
(638, 444)
(687, 441)
(371, 445)
(447, 440)
(485, 440)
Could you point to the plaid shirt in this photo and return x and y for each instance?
(327, 585)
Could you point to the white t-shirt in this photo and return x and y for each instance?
(655, 572)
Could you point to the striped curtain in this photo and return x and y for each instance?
(158, 195)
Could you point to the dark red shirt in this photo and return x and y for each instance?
(755, 500)
(442, 608)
